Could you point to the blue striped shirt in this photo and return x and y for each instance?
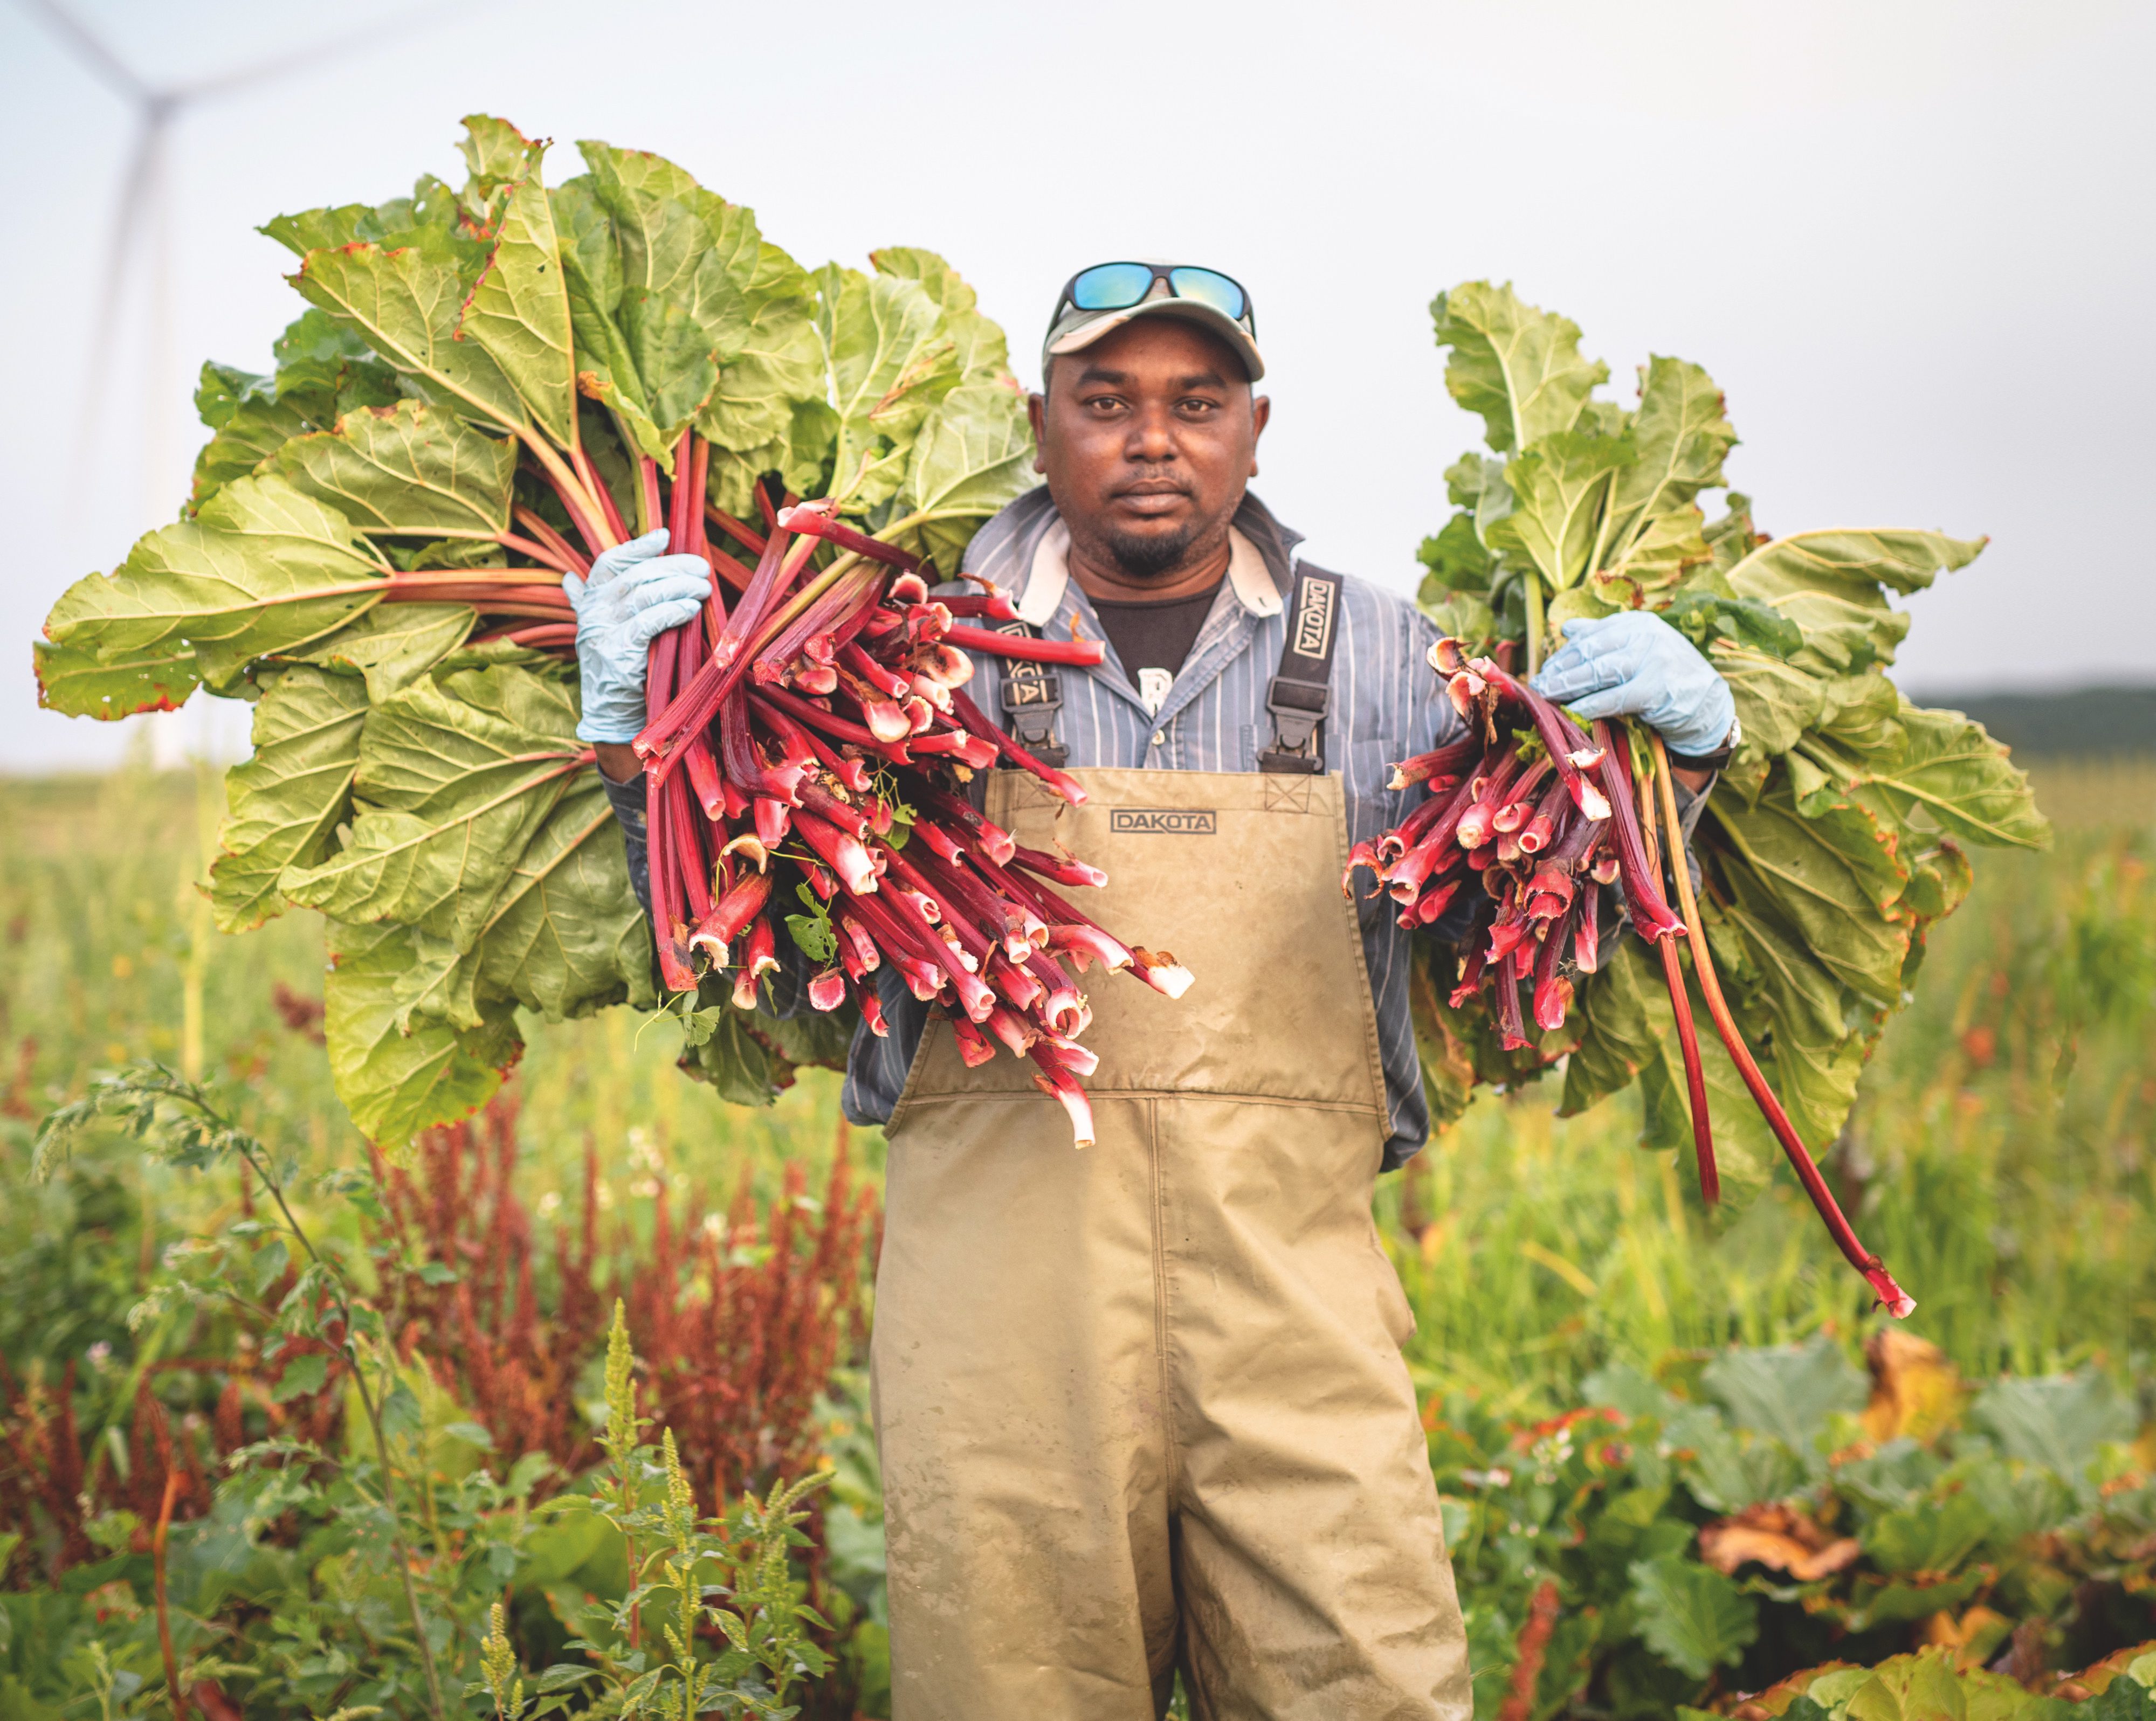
(1385, 706)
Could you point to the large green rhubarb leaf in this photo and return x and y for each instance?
(396, 1084)
(284, 804)
(1793, 1015)
(1786, 868)
(249, 424)
(686, 256)
(889, 363)
(498, 157)
(1628, 1030)
(75, 682)
(1948, 771)
(1519, 367)
(776, 362)
(432, 215)
(564, 936)
(456, 773)
(264, 568)
(973, 455)
(606, 370)
(323, 371)
(393, 645)
(407, 305)
(410, 468)
(1680, 437)
(1828, 583)
(981, 352)
(1558, 487)
(519, 308)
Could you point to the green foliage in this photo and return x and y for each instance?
(365, 1574)
(1690, 1616)
(1830, 848)
(688, 1576)
(1673, 1589)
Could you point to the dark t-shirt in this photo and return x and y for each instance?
(1155, 636)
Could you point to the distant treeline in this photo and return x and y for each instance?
(2088, 720)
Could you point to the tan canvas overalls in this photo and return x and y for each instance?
(1145, 1401)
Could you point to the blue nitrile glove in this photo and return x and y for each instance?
(1637, 665)
(634, 594)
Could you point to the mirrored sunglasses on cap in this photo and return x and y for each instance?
(1122, 286)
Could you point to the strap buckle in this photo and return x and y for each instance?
(1297, 708)
(1032, 695)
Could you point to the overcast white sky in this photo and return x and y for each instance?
(1913, 242)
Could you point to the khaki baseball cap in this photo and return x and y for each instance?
(1097, 301)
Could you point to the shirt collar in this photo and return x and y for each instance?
(1049, 577)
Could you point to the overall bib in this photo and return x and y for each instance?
(1145, 1402)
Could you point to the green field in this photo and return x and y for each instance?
(2000, 1161)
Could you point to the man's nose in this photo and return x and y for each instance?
(1152, 438)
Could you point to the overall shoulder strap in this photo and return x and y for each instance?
(1032, 696)
(1300, 695)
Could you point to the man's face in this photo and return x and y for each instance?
(1147, 439)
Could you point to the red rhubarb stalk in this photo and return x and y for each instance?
(818, 519)
(1653, 921)
(1896, 1302)
(969, 713)
(1082, 654)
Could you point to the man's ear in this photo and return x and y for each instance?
(1036, 413)
(1262, 412)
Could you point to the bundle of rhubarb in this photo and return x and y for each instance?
(1831, 842)
(492, 384)
(810, 741)
(1535, 822)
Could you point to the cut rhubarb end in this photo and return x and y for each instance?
(675, 967)
(1895, 1301)
(973, 1047)
(872, 1013)
(827, 990)
(751, 847)
(1553, 1000)
(1161, 971)
(1059, 1084)
(1065, 1011)
(1363, 854)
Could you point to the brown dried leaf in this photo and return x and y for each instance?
(1915, 1391)
(1778, 1536)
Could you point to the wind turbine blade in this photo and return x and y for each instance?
(135, 190)
(100, 59)
(299, 59)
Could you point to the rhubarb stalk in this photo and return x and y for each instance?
(1896, 1302)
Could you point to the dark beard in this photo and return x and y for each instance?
(1148, 557)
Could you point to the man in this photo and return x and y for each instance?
(1144, 1406)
